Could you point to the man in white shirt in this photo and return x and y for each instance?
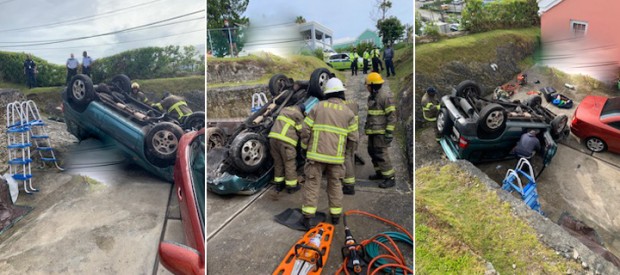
(72, 65)
(86, 61)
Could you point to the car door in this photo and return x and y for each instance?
(612, 135)
(550, 148)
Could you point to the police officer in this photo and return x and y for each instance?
(327, 130)
(377, 66)
(283, 140)
(72, 65)
(137, 94)
(174, 105)
(366, 57)
(380, 125)
(86, 62)
(388, 54)
(348, 183)
(354, 56)
(30, 70)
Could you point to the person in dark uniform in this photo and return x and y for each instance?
(30, 70)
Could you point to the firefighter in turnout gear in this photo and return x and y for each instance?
(137, 93)
(430, 105)
(326, 132)
(174, 105)
(380, 125)
(283, 140)
(348, 183)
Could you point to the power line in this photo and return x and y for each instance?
(47, 42)
(80, 19)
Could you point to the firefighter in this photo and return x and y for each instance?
(326, 131)
(366, 58)
(354, 56)
(174, 105)
(380, 125)
(283, 140)
(137, 94)
(430, 105)
(348, 183)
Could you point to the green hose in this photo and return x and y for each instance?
(372, 249)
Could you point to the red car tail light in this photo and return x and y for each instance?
(463, 143)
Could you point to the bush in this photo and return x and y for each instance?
(479, 17)
(12, 70)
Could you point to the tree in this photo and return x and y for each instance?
(418, 23)
(300, 20)
(384, 6)
(218, 11)
(390, 30)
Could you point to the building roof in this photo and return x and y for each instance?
(545, 5)
(317, 26)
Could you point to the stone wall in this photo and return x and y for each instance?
(232, 102)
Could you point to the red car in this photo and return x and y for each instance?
(189, 186)
(597, 122)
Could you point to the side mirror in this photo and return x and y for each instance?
(181, 259)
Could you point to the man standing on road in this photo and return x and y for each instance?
(30, 70)
(388, 54)
(86, 62)
(72, 65)
(354, 56)
(380, 125)
(174, 105)
(527, 145)
(327, 130)
(366, 57)
(377, 66)
(283, 139)
(430, 108)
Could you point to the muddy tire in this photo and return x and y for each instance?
(595, 144)
(194, 122)
(468, 88)
(492, 118)
(444, 124)
(277, 84)
(121, 83)
(215, 138)
(249, 151)
(80, 92)
(559, 125)
(318, 79)
(162, 143)
(533, 102)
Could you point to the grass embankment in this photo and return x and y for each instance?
(480, 47)
(461, 225)
(403, 66)
(298, 67)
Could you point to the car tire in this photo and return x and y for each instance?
(249, 151)
(122, 83)
(80, 92)
(215, 138)
(595, 144)
(444, 124)
(533, 102)
(162, 143)
(318, 79)
(194, 122)
(277, 84)
(468, 88)
(492, 118)
(558, 126)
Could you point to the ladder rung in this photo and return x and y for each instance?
(40, 136)
(20, 161)
(22, 176)
(18, 129)
(37, 123)
(45, 148)
(48, 159)
(19, 145)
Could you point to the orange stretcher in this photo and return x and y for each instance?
(298, 252)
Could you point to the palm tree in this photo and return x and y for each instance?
(300, 20)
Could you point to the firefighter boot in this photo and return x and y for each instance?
(387, 183)
(376, 176)
(348, 189)
(292, 189)
(335, 219)
(308, 222)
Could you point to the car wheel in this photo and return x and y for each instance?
(277, 84)
(162, 143)
(492, 118)
(318, 79)
(215, 138)
(122, 83)
(80, 92)
(444, 124)
(468, 88)
(249, 151)
(595, 144)
(194, 122)
(558, 126)
(533, 102)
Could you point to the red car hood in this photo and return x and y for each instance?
(590, 108)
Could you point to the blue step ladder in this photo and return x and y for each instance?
(38, 133)
(18, 145)
(512, 182)
(258, 101)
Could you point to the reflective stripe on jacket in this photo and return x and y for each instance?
(175, 106)
(381, 113)
(287, 125)
(430, 107)
(326, 131)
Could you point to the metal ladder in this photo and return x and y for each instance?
(18, 145)
(38, 133)
(512, 182)
(258, 101)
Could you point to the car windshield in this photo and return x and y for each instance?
(611, 107)
(197, 158)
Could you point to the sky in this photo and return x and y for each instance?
(347, 18)
(33, 26)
